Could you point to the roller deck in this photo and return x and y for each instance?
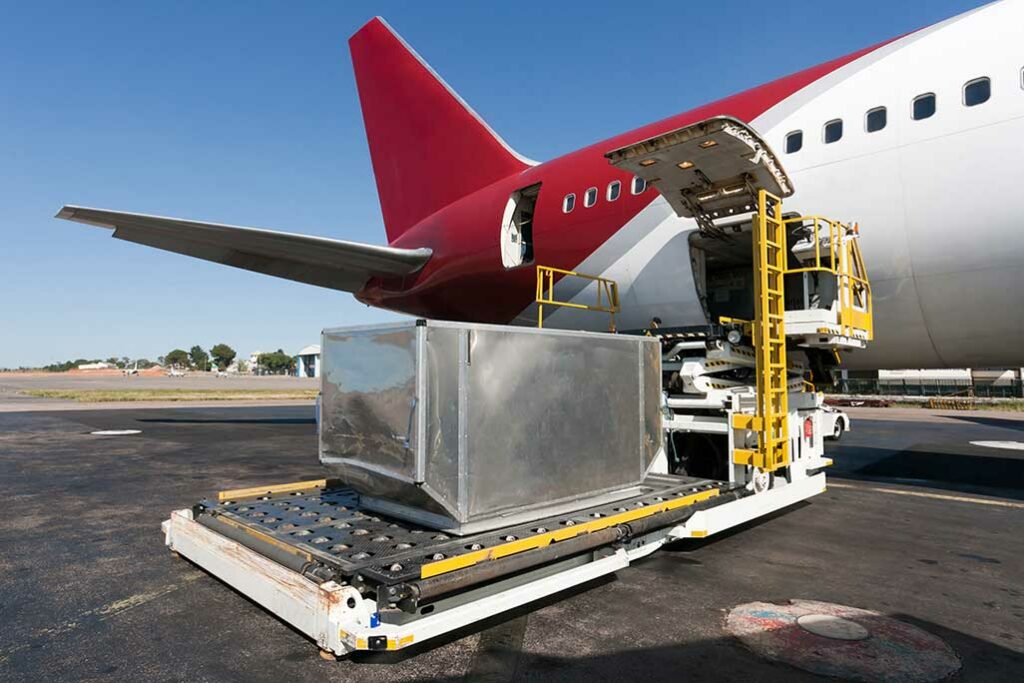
(348, 602)
(320, 529)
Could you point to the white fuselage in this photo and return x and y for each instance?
(935, 198)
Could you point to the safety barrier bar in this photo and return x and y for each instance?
(607, 294)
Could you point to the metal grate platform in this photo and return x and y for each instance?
(327, 526)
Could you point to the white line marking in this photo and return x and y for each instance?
(935, 496)
(102, 613)
(1010, 445)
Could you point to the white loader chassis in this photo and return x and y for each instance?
(341, 620)
(729, 387)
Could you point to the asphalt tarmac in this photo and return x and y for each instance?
(917, 524)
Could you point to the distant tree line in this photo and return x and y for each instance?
(220, 356)
(122, 362)
(276, 363)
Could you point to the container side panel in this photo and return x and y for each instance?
(650, 369)
(551, 417)
(442, 408)
(369, 402)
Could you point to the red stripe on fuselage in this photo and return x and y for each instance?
(465, 279)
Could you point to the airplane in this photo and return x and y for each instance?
(916, 138)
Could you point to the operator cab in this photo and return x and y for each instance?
(827, 296)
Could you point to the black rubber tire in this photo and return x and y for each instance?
(837, 433)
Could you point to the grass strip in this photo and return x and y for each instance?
(119, 395)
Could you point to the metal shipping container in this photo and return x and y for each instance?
(466, 427)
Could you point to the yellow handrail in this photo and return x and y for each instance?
(847, 265)
(607, 294)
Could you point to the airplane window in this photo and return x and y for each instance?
(639, 185)
(614, 188)
(833, 131)
(874, 120)
(569, 203)
(794, 141)
(924, 106)
(590, 198)
(977, 91)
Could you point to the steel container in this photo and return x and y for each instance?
(466, 427)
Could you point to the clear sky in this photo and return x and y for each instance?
(247, 113)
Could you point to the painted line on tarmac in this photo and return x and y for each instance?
(935, 496)
(1009, 445)
(97, 614)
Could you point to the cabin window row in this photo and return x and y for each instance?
(975, 92)
(611, 193)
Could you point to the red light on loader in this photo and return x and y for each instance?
(808, 428)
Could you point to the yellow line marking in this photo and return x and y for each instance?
(543, 539)
(267, 490)
(935, 496)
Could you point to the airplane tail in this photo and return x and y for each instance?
(428, 147)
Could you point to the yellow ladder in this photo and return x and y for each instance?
(771, 419)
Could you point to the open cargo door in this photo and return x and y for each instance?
(707, 170)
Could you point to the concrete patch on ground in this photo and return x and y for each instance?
(844, 642)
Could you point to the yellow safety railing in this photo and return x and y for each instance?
(607, 294)
(841, 259)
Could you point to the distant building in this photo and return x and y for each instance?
(978, 382)
(96, 366)
(254, 362)
(948, 375)
(307, 362)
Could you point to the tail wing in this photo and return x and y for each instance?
(335, 264)
(428, 147)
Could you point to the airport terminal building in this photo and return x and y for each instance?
(307, 362)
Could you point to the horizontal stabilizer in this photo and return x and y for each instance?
(320, 261)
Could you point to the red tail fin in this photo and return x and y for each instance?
(428, 147)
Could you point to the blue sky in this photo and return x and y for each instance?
(247, 113)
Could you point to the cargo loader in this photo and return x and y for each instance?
(476, 468)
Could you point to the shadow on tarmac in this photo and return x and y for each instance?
(499, 656)
(950, 468)
(979, 474)
(999, 422)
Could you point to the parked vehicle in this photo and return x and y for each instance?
(834, 422)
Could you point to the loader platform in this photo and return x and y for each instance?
(389, 593)
(319, 529)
